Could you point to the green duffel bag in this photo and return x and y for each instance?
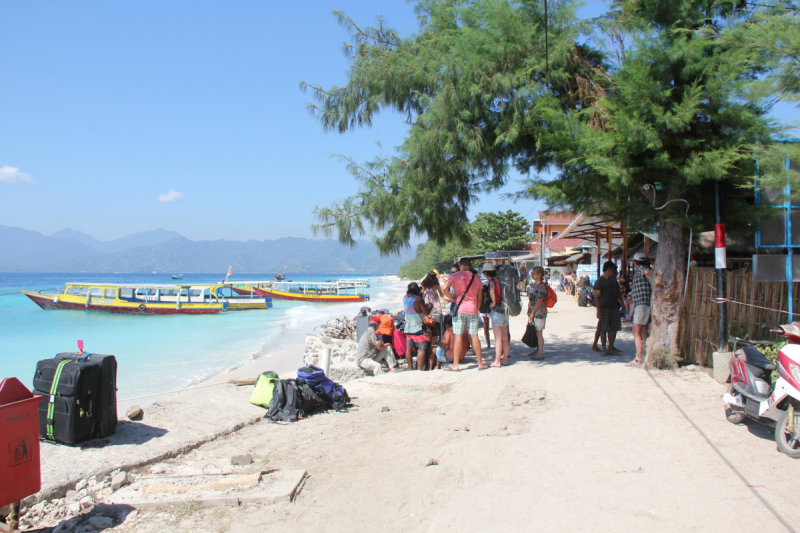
(265, 384)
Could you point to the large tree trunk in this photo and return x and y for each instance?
(668, 279)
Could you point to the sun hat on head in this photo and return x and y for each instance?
(435, 271)
(639, 257)
(489, 267)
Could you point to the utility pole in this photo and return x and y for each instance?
(721, 264)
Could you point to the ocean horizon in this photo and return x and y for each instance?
(160, 353)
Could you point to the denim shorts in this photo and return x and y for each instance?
(499, 318)
(462, 321)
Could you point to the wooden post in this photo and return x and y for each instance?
(624, 250)
(597, 243)
(608, 240)
(646, 245)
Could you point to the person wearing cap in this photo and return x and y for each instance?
(498, 316)
(609, 300)
(641, 290)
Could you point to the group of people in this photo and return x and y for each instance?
(442, 321)
(610, 298)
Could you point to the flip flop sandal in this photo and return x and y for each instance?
(633, 363)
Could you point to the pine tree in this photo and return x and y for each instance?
(639, 134)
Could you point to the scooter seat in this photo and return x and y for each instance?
(757, 359)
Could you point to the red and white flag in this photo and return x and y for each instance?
(230, 273)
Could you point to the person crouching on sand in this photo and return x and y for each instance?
(432, 362)
(444, 348)
(371, 352)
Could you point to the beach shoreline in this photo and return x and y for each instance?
(173, 423)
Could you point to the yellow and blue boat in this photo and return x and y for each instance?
(149, 299)
(345, 290)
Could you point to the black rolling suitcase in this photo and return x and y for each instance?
(80, 392)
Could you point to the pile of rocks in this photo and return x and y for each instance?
(343, 356)
(86, 494)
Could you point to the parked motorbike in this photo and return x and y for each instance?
(751, 393)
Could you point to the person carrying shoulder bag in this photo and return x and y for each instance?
(538, 310)
(469, 293)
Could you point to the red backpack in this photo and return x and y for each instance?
(551, 299)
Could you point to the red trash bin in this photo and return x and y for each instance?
(20, 470)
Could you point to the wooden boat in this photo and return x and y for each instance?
(177, 276)
(280, 277)
(304, 291)
(149, 299)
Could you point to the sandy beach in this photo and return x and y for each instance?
(577, 442)
(173, 423)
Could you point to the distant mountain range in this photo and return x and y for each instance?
(167, 251)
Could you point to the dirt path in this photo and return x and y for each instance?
(578, 442)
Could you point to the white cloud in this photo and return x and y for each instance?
(171, 196)
(13, 175)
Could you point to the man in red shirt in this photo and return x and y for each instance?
(469, 292)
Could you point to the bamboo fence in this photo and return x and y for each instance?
(753, 309)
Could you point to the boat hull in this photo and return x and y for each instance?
(300, 297)
(48, 302)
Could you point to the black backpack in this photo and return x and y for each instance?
(286, 404)
(486, 300)
(310, 401)
(333, 394)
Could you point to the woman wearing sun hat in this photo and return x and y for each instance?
(498, 316)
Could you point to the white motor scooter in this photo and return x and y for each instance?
(751, 394)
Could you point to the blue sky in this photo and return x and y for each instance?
(108, 110)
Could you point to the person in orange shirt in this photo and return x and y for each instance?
(386, 328)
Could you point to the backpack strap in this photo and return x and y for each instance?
(51, 403)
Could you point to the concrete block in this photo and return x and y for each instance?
(722, 369)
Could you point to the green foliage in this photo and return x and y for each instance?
(470, 82)
(489, 232)
(675, 107)
(770, 351)
(494, 232)
(429, 256)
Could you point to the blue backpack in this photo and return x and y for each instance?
(333, 394)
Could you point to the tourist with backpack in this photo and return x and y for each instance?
(467, 299)
(498, 316)
(537, 308)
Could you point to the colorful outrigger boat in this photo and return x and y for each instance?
(306, 291)
(149, 299)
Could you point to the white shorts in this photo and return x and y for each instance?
(641, 315)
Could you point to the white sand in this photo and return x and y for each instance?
(608, 448)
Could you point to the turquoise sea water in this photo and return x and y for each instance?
(167, 352)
